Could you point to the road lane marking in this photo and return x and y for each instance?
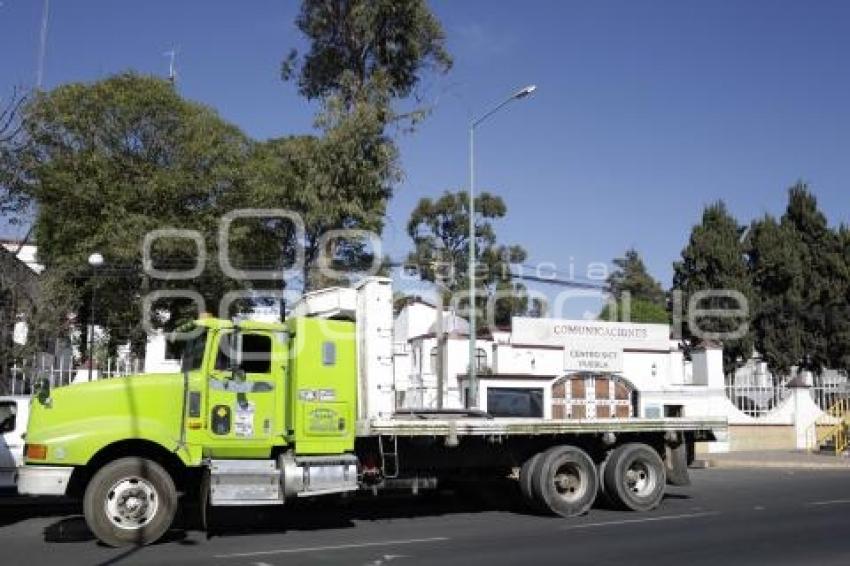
(335, 547)
(645, 520)
(830, 502)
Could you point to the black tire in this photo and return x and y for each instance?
(205, 510)
(635, 477)
(566, 483)
(603, 497)
(526, 480)
(676, 465)
(131, 501)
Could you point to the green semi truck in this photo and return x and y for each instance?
(266, 413)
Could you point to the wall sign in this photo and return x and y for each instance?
(562, 332)
(593, 357)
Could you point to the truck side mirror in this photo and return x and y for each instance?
(43, 391)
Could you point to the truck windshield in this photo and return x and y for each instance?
(193, 352)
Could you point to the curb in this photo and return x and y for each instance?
(777, 464)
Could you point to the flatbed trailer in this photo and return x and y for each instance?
(411, 425)
(429, 443)
(268, 413)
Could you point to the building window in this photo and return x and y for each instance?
(480, 360)
(515, 401)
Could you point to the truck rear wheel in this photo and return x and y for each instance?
(526, 480)
(634, 477)
(565, 481)
(130, 501)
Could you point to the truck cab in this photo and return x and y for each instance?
(253, 400)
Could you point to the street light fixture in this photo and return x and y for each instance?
(520, 94)
(95, 262)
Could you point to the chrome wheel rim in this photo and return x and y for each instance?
(640, 478)
(569, 482)
(131, 503)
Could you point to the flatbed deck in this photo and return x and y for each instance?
(410, 425)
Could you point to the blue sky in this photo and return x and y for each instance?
(645, 112)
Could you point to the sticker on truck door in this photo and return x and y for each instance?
(325, 421)
(243, 424)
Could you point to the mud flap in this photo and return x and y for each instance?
(204, 508)
(676, 462)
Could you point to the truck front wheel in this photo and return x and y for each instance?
(130, 501)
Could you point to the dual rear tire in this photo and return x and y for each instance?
(565, 481)
(561, 480)
(634, 477)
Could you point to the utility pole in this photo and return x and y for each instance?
(473, 382)
(172, 68)
(42, 45)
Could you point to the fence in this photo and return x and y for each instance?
(23, 377)
(758, 401)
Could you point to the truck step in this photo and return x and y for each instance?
(244, 482)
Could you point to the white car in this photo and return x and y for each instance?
(14, 412)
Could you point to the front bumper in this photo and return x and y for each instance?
(43, 480)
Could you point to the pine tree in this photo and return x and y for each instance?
(824, 277)
(647, 299)
(714, 261)
(838, 317)
(775, 262)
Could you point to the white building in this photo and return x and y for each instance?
(26, 253)
(557, 368)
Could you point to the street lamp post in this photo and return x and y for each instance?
(473, 384)
(95, 262)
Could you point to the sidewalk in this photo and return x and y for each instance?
(791, 459)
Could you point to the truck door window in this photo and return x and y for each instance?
(255, 352)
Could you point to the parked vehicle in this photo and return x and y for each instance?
(267, 413)
(14, 411)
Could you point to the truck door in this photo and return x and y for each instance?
(244, 414)
(323, 385)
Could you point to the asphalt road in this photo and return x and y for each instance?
(728, 517)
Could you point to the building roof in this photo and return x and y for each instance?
(15, 273)
(25, 251)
